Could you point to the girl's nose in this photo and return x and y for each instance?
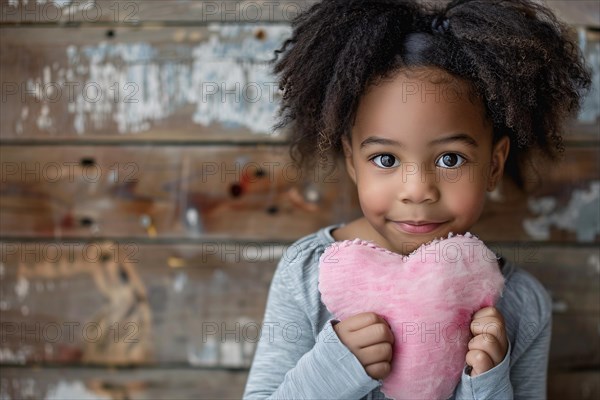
(418, 186)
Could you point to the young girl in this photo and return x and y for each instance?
(428, 105)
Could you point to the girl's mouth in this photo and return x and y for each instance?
(417, 226)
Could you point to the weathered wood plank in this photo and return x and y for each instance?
(110, 384)
(248, 192)
(169, 191)
(570, 274)
(185, 383)
(135, 12)
(572, 277)
(568, 349)
(203, 303)
(561, 202)
(125, 304)
(138, 84)
(146, 83)
(578, 12)
(582, 385)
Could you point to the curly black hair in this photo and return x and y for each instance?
(515, 55)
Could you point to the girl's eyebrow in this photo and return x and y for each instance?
(458, 137)
(379, 140)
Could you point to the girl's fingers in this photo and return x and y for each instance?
(378, 371)
(490, 346)
(373, 334)
(362, 320)
(488, 320)
(491, 331)
(486, 312)
(480, 362)
(488, 325)
(377, 353)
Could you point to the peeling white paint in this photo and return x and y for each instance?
(180, 281)
(8, 356)
(19, 128)
(19, 124)
(72, 391)
(231, 354)
(47, 79)
(225, 78)
(58, 3)
(48, 351)
(542, 205)
(590, 109)
(248, 343)
(44, 121)
(496, 194)
(22, 287)
(207, 356)
(594, 262)
(581, 215)
(559, 306)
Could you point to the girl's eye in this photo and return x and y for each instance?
(385, 161)
(450, 160)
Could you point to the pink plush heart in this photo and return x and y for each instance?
(427, 297)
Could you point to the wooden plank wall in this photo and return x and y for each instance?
(145, 203)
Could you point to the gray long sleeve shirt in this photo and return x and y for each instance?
(299, 356)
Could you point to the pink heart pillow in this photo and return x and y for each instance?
(427, 297)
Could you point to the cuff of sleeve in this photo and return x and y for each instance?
(494, 383)
(356, 382)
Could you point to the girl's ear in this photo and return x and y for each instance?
(348, 158)
(499, 155)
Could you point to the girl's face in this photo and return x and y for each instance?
(422, 158)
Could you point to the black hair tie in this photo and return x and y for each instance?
(440, 24)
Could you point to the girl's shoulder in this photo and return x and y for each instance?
(298, 270)
(305, 251)
(524, 301)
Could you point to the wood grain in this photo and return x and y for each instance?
(167, 192)
(246, 192)
(136, 84)
(583, 385)
(203, 303)
(135, 12)
(146, 83)
(114, 303)
(579, 12)
(186, 383)
(122, 384)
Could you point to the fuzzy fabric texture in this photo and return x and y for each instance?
(428, 297)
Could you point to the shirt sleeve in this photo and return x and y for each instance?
(492, 384)
(290, 362)
(529, 374)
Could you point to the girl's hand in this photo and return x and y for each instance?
(489, 344)
(369, 337)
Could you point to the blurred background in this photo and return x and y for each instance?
(145, 202)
